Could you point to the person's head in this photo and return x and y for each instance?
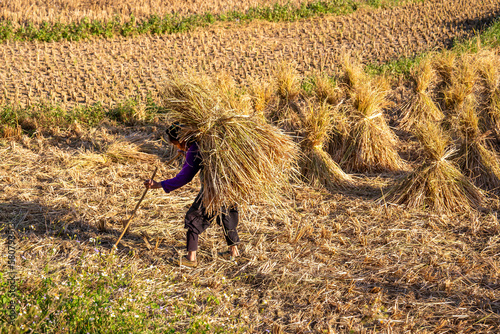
(173, 133)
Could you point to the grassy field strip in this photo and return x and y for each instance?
(76, 10)
(96, 20)
(114, 70)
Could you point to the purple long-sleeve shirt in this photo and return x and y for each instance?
(191, 166)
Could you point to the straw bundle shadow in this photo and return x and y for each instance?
(371, 145)
(437, 184)
(420, 107)
(317, 166)
(245, 160)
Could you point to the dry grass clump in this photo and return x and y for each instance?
(444, 62)
(371, 145)
(317, 165)
(437, 184)
(488, 68)
(245, 159)
(262, 94)
(421, 107)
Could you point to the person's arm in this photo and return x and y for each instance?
(191, 166)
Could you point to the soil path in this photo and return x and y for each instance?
(111, 70)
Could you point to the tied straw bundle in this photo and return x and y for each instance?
(420, 107)
(371, 145)
(317, 166)
(437, 184)
(245, 160)
(476, 159)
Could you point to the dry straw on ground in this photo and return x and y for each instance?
(245, 159)
(437, 184)
(327, 262)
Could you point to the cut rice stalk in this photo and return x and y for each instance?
(317, 166)
(371, 145)
(462, 86)
(285, 112)
(437, 184)
(420, 106)
(325, 89)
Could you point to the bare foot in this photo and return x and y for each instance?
(234, 251)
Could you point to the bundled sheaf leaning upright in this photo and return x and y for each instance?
(243, 159)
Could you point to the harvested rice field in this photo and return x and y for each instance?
(110, 71)
(388, 219)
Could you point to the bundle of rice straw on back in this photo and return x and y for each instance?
(371, 145)
(437, 184)
(421, 107)
(317, 166)
(245, 160)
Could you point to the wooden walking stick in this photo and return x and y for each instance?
(127, 224)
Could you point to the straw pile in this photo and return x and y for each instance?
(437, 184)
(245, 159)
(420, 106)
(317, 166)
(371, 145)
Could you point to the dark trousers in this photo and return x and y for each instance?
(198, 221)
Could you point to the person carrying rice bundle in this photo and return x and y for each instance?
(237, 153)
(197, 220)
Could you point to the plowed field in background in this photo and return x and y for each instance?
(20, 11)
(111, 70)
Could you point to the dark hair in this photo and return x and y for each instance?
(173, 132)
